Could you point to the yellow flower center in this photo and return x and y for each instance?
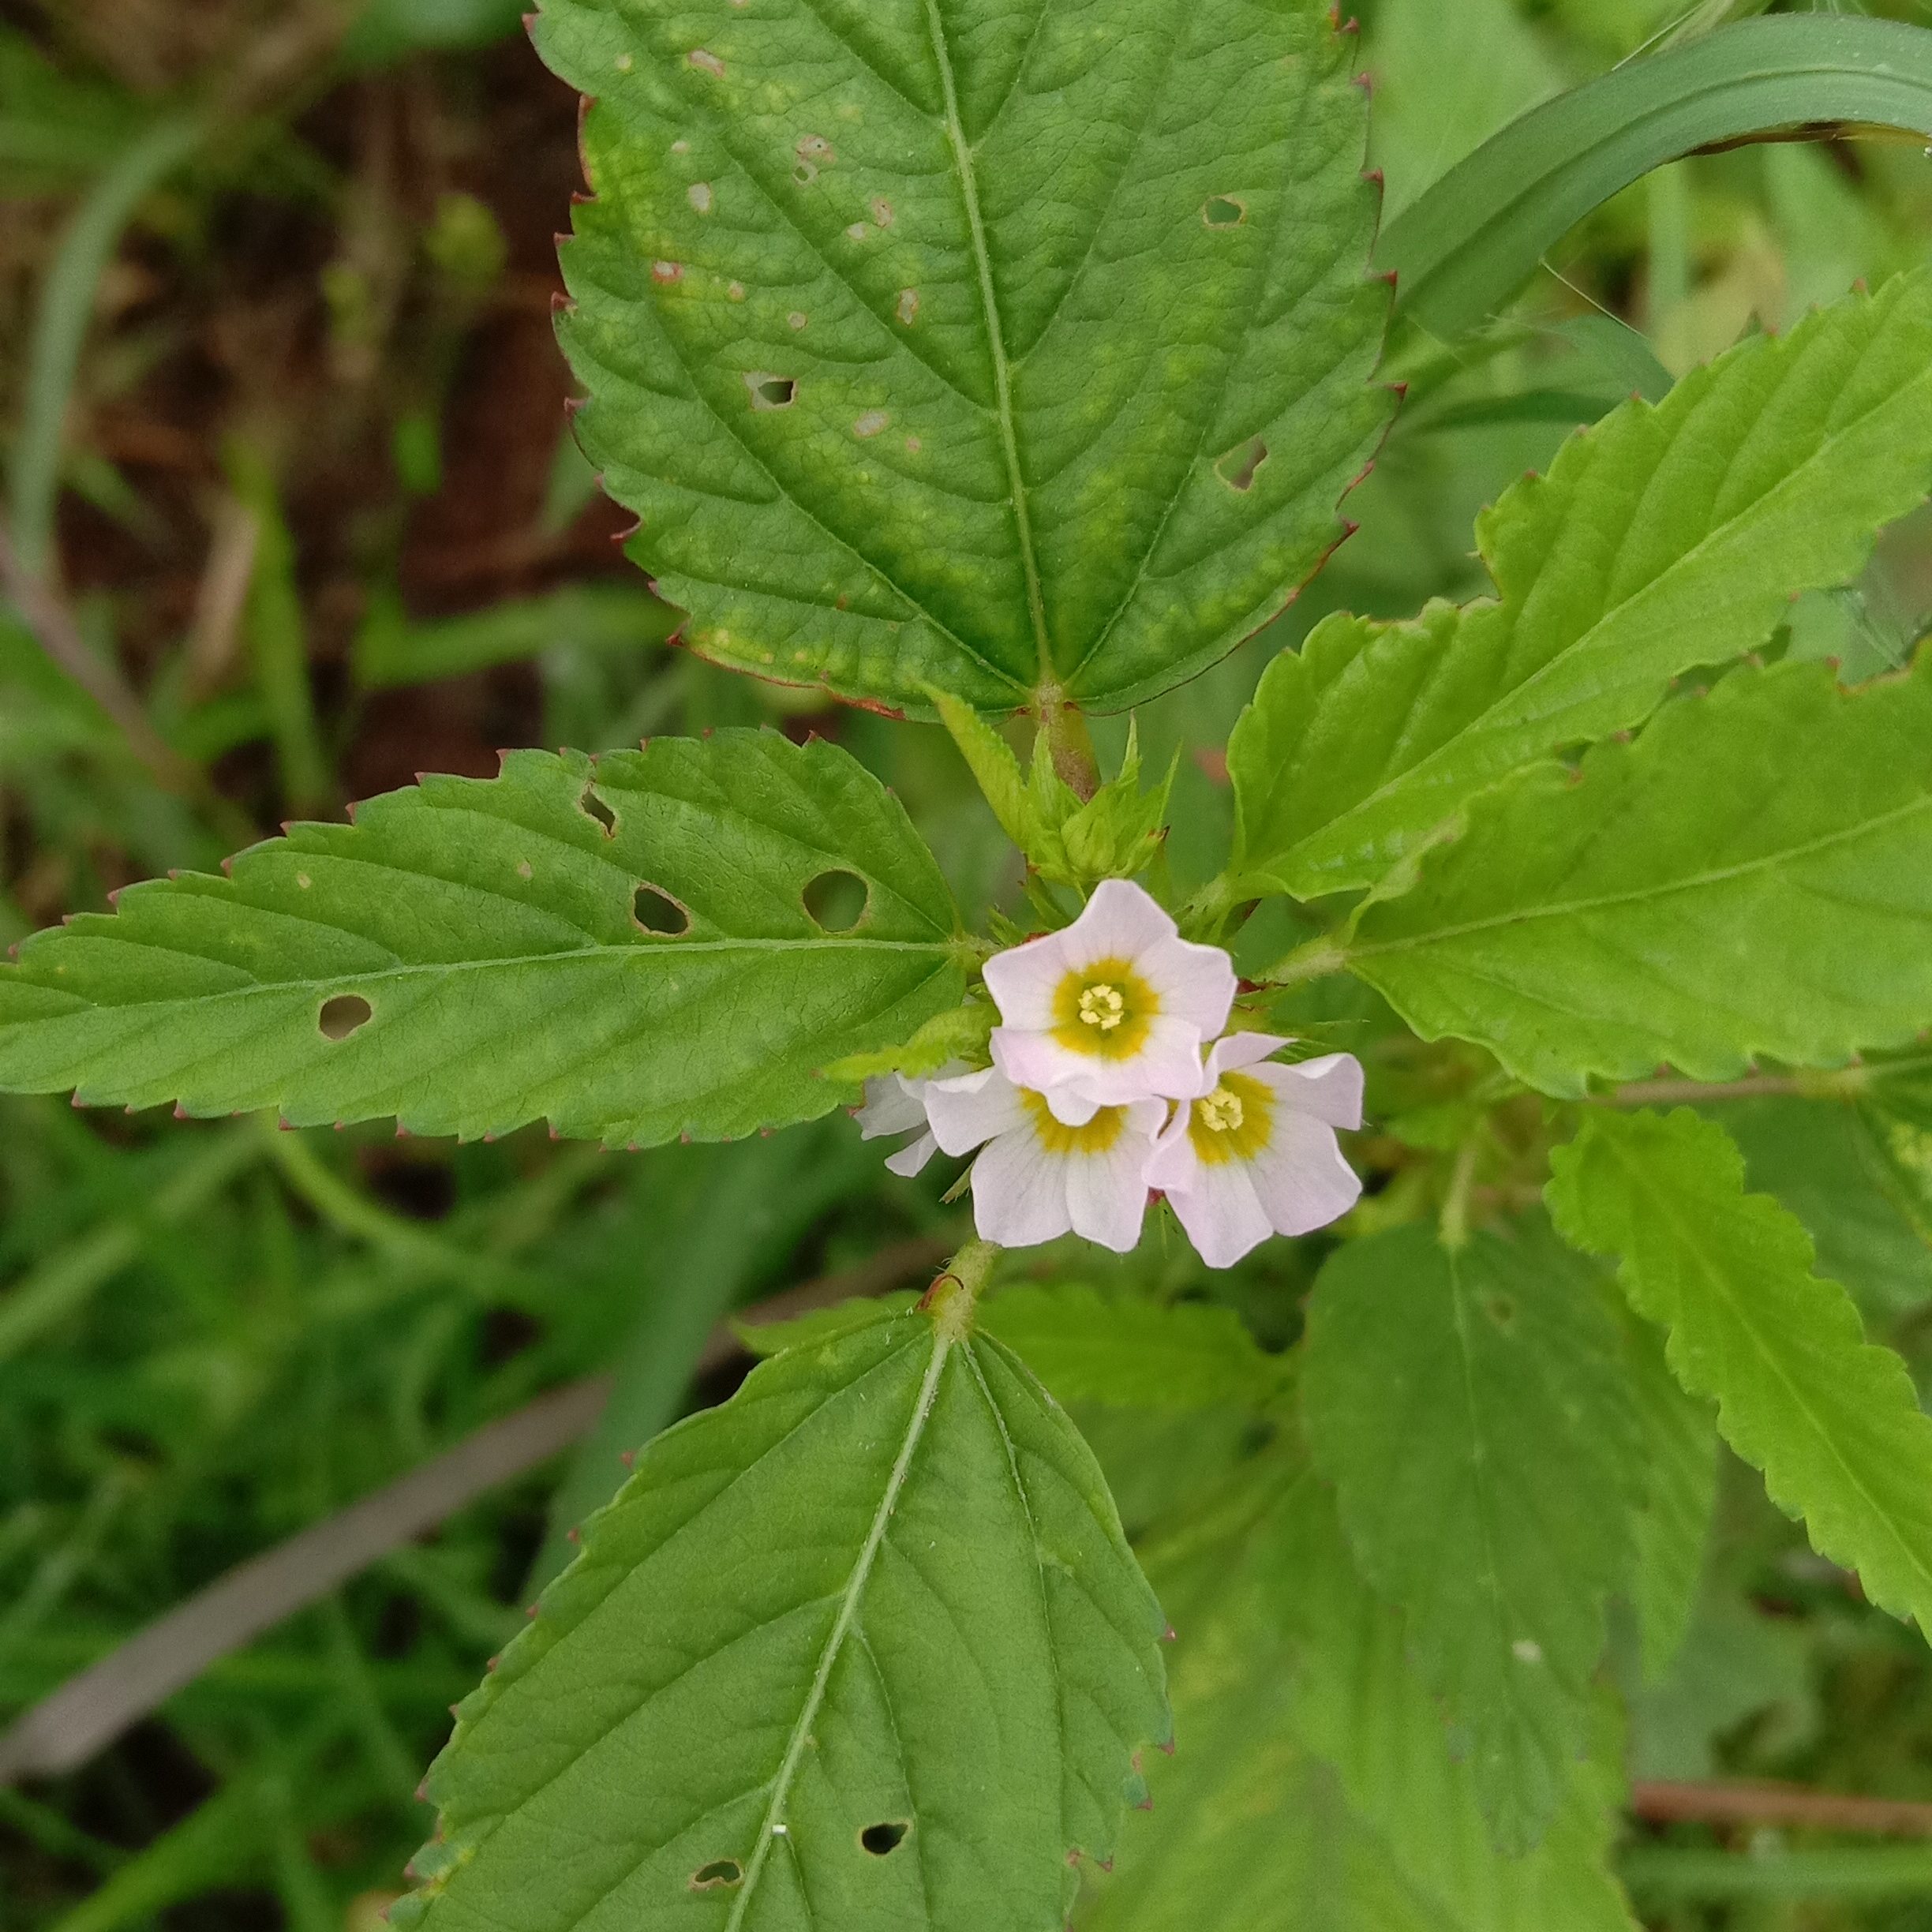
(1234, 1122)
(1058, 1138)
(1105, 1010)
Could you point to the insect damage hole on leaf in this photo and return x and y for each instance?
(837, 901)
(1223, 212)
(883, 1839)
(592, 806)
(719, 1875)
(770, 391)
(1236, 468)
(341, 1016)
(656, 912)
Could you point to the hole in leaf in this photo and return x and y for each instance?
(719, 1873)
(804, 174)
(341, 1016)
(770, 391)
(592, 806)
(837, 901)
(656, 911)
(881, 1840)
(1223, 212)
(1236, 468)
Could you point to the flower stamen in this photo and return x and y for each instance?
(1221, 1111)
(1102, 1006)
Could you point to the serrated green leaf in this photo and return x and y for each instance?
(1663, 538)
(1836, 1167)
(1315, 1786)
(1832, 1421)
(818, 1327)
(1128, 1353)
(990, 759)
(1672, 1531)
(468, 955)
(883, 1587)
(1752, 876)
(1472, 1408)
(1015, 350)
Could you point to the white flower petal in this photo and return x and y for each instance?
(972, 1108)
(1196, 982)
(913, 1156)
(1301, 1179)
(1020, 1197)
(1107, 1194)
(1328, 1089)
(1121, 921)
(1070, 1109)
(1023, 980)
(1174, 1161)
(891, 1106)
(1242, 1050)
(1219, 1208)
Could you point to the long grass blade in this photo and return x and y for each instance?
(1467, 244)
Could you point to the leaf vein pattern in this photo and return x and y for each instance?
(996, 341)
(1715, 1278)
(841, 1628)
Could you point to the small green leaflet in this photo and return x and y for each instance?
(470, 955)
(1832, 1421)
(1472, 1408)
(1022, 350)
(863, 1647)
(1117, 1350)
(1315, 1786)
(1753, 876)
(1663, 538)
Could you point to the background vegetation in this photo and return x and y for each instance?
(287, 438)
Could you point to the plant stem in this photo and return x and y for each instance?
(950, 1300)
(1071, 743)
(1843, 1083)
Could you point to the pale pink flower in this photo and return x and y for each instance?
(1113, 1010)
(895, 1104)
(1037, 1177)
(1256, 1154)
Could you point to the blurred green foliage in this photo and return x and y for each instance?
(318, 501)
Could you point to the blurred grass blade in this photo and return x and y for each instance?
(1465, 247)
(66, 307)
(63, 1282)
(1660, 1873)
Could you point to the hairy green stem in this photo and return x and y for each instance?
(951, 1300)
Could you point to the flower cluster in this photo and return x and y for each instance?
(1111, 1076)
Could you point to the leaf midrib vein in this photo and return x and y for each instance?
(996, 340)
(841, 1627)
(671, 948)
(1643, 895)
